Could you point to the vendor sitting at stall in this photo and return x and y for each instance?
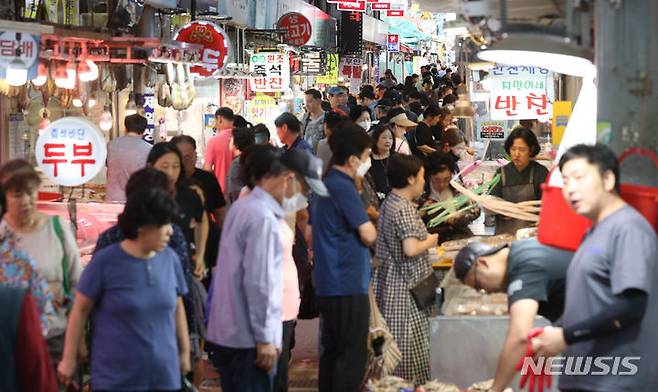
(440, 168)
(521, 179)
(532, 274)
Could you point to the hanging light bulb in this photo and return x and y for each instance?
(43, 124)
(16, 71)
(72, 73)
(61, 76)
(131, 107)
(106, 119)
(87, 71)
(77, 102)
(42, 75)
(91, 102)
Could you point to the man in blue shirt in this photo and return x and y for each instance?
(245, 322)
(289, 129)
(342, 233)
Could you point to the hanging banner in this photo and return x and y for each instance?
(216, 46)
(351, 33)
(395, 13)
(297, 29)
(71, 151)
(561, 114)
(331, 76)
(519, 93)
(393, 43)
(274, 69)
(29, 45)
(380, 6)
(313, 63)
(149, 113)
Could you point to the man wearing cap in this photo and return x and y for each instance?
(288, 128)
(401, 126)
(338, 99)
(245, 320)
(533, 276)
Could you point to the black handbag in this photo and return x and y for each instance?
(424, 293)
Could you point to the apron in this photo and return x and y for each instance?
(515, 194)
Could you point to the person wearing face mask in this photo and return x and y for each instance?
(402, 246)
(440, 171)
(245, 327)
(341, 234)
(454, 143)
(361, 117)
(401, 125)
(521, 179)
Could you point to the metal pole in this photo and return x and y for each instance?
(503, 15)
(627, 64)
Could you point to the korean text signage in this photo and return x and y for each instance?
(395, 13)
(331, 75)
(380, 6)
(71, 151)
(298, 29)
(393, 43)
(29, 46)
(262, 109)
(491, 130)
(359, 6)
(351, 37)
(216, 45)
(149, 112)
(275, 71)
(519, 93)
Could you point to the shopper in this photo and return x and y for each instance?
(612, 281)
(425, 142)
(125, 155)
(402, 247)
(134, 289)
(428, 90)
(262, 134)
(389, 80)
(367, 98)
(26, 363)
(48, 240)
(521, 179)
(382, 148)
(401, 125)
(288, 129)
(360, 115)
(219, 152)
(245, 323)
(243, 138)
(533, 275)
(441, 171)
(166, 157)
(215, 204)
(333, 120)
(341, 234)
(338, 99)
(313, 120)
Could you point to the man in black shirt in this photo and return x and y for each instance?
(214, 197)
(532, 274)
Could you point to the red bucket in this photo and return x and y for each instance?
(643, 198)
(559, 225)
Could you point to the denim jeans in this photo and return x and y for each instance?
(237, 369)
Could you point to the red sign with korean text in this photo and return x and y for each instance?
(360, 6)
(395, 13)
(298, 29)
(71, 151)
(216, 45)
(380, 6)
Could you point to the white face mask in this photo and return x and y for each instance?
(295, 203)
(363, 168)
(364, 124)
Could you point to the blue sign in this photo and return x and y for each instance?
(393, 47)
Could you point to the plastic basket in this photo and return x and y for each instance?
(559, 225)
(643, 198)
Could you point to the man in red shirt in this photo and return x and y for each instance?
(219, 150)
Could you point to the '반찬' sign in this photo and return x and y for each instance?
(273, 69)
(519, 93)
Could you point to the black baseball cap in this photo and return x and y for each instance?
(468, 255)
(384, 103)
(307, 166)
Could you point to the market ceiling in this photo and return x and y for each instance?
(521, 10)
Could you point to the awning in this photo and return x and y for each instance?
(407, 30)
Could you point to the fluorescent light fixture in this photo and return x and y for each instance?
(556, 54)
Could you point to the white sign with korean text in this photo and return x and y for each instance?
(71, 151)
(29, 46)
(274, 69)
(519, 93)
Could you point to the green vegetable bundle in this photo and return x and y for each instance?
(457, 205)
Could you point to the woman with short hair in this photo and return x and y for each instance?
(402, 247)
(140, 339)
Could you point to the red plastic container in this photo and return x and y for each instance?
(559, 225)
(49, 196)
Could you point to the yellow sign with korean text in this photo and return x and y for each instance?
(561, 114)
(331, 76)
